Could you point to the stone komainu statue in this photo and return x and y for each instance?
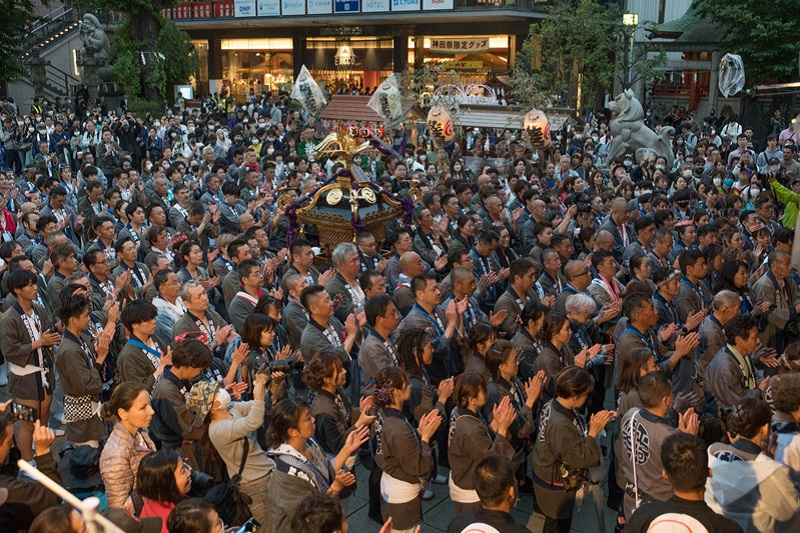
(630, 133)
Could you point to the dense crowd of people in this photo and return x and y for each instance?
(554, 325)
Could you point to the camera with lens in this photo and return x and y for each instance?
(288, 365)
(583, 202)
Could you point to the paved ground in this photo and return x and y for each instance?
(438, 512)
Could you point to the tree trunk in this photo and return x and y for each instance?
(144, 27)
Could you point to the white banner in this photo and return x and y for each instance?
(269, 8)
(432, 5)
(244, 8)
(406, 5)
(375, 6)
(319, 7)
(293, 7)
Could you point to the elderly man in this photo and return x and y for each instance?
(551, 281)
(617, 226)
(662, 247)
(347, 263)
(411, 265)
(464, 286)
(726, 305)
(401, 242)
(168, 302)
(538, 210)
(199, 317)
(731, 376)
(778, 288)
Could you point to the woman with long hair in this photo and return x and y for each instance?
(478, 342)
(301, 467)
(329, 405)
(404, 455)
(471, 437)
(526, 341)
(503, 364)
(464, 235)
(129, 409)
(190, 259)
(163, 480)
(632, 365)
(734, 277)
(414, 352)
(566, 448)
(504, 253)
(641, 270)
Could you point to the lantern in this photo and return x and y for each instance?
(440, 126)
(537, 128)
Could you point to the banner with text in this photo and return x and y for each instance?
(293, 7)
(406, 5)
(454, 45)
(432, 5)
(347, 6)
(319, 7)
(244, 8)
(269, 8)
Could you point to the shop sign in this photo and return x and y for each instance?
(406, 5)
(269, 8)
(463, 65)
(340, 31)
(320, 7)
(432, 5)
(244, 8)
(456, 45)
(374, 6)
(346, 6)
(293, 7)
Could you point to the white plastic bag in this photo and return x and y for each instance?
(731, 74)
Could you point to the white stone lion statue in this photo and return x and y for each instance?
(630, 133)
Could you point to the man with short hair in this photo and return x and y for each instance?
(616, 224)
(522, 277)
(645, 232)
(143, 358)
(368, 253)
(400, 242)
(642, 316)
(484, 263)
(694, 296)
(238, 251)
(378, 350)
(641, 433)
(199, 317)
(295, 316)
(731, 376)
(243, 304)
(662, 246)
(372, 283)
(444, 323)
(685, 466)
(496, 486)
(27, 335)
(324, 331)
(65, 262)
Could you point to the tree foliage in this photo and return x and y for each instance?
(15, 24)
(764, 33)
(581, 42)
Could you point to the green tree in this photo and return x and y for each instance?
(150, 54)
(18, 17)
(580, 44)
(764, 33)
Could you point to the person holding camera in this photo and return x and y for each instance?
(24, 501)
(232, 431)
